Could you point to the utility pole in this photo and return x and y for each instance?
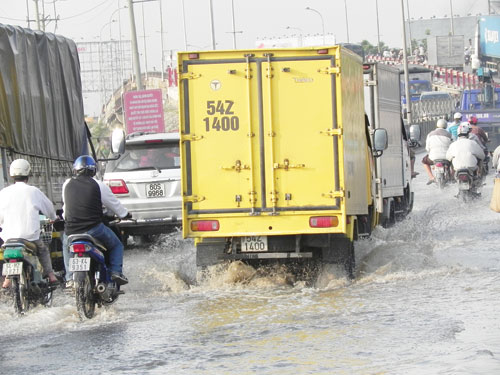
(405, 66)
(161, 41)
(451, 19)
(184, 26)
(37, 11)
(234, 29)
(409, 26)
(378, 30)
(212, 24)
(135, 51)
(145, 45)
(346, 21)
(28, 14)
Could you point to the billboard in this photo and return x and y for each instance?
(144, 111)
(489, 40)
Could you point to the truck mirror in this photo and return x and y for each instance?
(118, 141)
(380, 140)
(414, 133)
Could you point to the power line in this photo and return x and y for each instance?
(85, 12)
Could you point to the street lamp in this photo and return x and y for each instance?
(300, 33)
(322, 22)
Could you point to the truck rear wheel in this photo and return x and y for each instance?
(341, 251)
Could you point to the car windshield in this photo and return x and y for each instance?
(147, 156)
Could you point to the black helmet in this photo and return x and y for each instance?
(84, 165)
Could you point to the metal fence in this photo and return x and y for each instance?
(432, 109)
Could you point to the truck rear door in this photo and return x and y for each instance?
(251, 130)
(382, 93)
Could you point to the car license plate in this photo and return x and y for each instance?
(9, 269)
(155, 190)
(79, 264)
(254, 243)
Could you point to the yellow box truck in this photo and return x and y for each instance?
(278, 158)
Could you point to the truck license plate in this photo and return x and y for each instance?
(254, 243)
(9, 269)
(79, 264)
(155, 190)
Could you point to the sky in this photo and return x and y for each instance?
(94, 20)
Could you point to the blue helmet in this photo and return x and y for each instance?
(85, 165)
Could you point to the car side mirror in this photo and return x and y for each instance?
(118, 141)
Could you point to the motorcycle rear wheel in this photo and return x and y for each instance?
(463, 195)
(85, 299)
(440, 181)
(20, 289)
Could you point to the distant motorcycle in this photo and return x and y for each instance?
(442, 173)
(22, 267)
(92, 276)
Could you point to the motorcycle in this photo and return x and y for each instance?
(91, 274)
(22, 267)
(468, 184)
(442, 173)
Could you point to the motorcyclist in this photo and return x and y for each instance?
(453, 126)
(84, 198)
(437, 143)
(478, 134)
(465, 153)
(20, 206)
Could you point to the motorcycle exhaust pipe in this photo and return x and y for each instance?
(101, 288)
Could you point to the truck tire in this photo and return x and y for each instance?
(391, 219)
(341, 251)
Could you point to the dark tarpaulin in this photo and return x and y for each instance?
(41, 105)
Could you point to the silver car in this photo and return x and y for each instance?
(146, 180)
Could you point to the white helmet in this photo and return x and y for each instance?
(20, 167)
(441, 123)
(457, 116)
(463, 130)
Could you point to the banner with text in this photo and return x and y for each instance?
(144, 111)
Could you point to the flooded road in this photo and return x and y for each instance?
(425, 300)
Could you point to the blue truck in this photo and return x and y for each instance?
(420, 80)
(484, 104)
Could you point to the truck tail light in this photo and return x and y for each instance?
(117, 186)
(205, 225)
(323, 221)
